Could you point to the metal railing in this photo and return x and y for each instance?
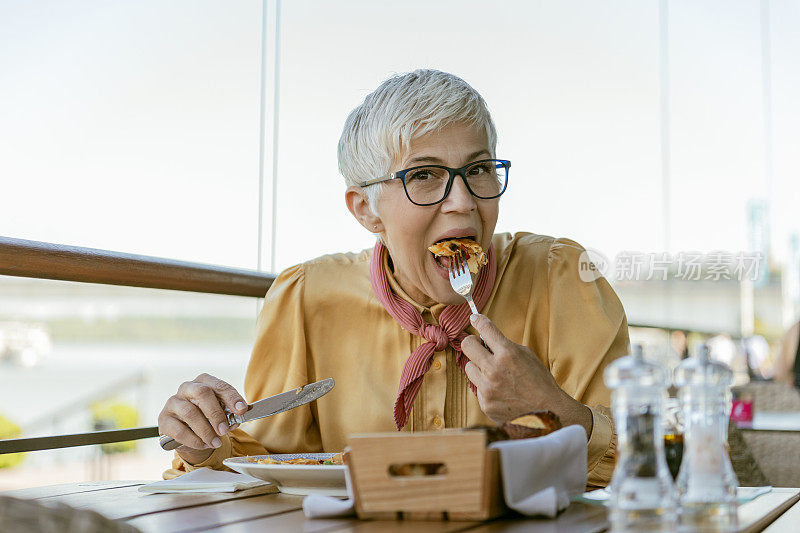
(53, 442)
(34, 259)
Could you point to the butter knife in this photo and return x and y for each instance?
(273, 405)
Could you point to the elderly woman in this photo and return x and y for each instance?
(418, 157)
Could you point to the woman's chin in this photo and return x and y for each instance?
(440, 283)
(443, 297)
(444, 293)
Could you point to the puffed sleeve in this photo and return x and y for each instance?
(278, 363)
(588, 329)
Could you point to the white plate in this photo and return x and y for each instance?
(294, 479)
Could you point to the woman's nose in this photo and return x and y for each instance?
(459, 199)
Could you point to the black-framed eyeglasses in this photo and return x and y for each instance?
(430, 184)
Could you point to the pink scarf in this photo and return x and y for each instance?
(453, 320)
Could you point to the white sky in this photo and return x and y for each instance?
(134, 126)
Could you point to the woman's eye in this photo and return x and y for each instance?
(479, 169)
(421, 175)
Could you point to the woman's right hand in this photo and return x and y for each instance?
(194, 416)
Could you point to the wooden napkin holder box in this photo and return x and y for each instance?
(469, 489)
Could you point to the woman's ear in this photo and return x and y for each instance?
(358, 204)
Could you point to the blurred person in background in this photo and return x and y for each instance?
(722, 348)
(787, 362)
(679, 342)
(757, 352)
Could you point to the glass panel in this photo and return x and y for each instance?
(79, 357)
(575, 102)
(784, 21)
(132, 126)
(717, 148)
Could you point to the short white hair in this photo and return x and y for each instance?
(377, 133)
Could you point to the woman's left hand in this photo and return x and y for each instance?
(512, 381)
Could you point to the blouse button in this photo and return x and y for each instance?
(437, 422)
(437, 365)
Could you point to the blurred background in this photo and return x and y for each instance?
(663, 133)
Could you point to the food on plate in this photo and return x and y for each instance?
(535, 424)
(476, 257)
(529, 425)
(336, 459)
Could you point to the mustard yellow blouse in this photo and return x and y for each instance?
(321, 319)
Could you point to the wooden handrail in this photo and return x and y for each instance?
(34, 259)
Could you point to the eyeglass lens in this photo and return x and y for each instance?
(485, 179)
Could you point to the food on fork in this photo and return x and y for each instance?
(336, 459)
(476, 257)
(535, 424)
(529, 425)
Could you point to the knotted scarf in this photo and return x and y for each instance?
(450, 331)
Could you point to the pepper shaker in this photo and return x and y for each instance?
(642, 494)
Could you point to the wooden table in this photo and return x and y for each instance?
(263, 509)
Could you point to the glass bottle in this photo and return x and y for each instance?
(642, 495)
(673, 435)
(706, 482)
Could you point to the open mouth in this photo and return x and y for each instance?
(443, 254)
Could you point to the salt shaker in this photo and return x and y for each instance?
(706, 482)
(642, 494)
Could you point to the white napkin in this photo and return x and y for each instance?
(319, 506)
(203, 480)
(539, 476)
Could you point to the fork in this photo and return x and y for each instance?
(460, 279)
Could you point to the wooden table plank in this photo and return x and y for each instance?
(404, 526)
(261, 508)
(128, 502)
(292, 521)
(787, 522)
(216, 514)
(34, 493)
(753, 516)
(577, 518)
(296, 521)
